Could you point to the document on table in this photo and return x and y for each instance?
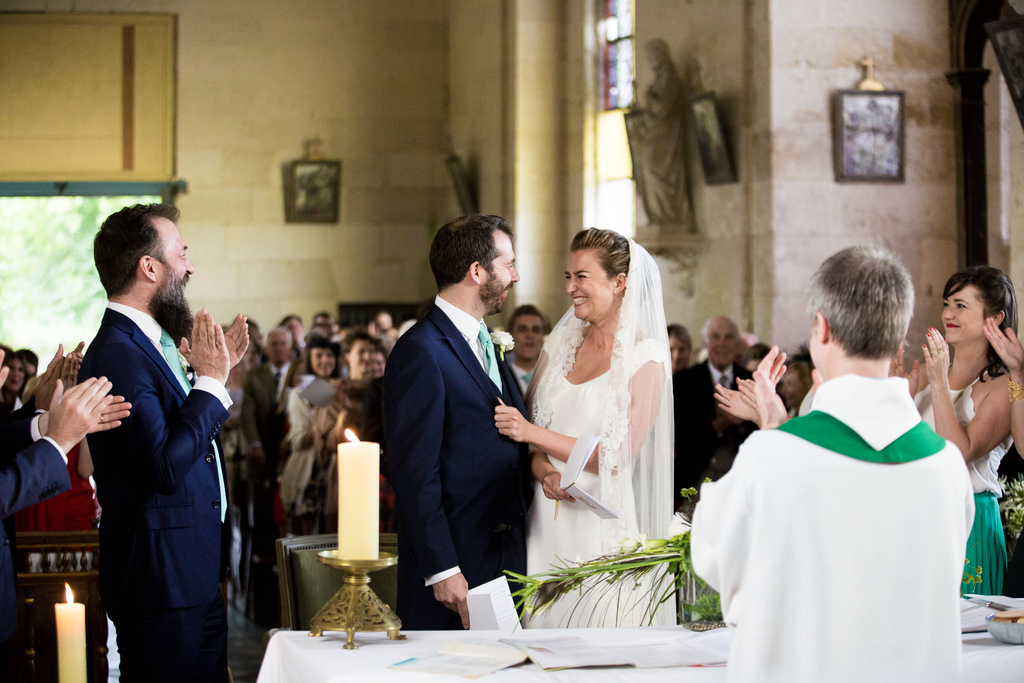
(974, 610)
(578, 459)
(678, 652)
(466, 657)
(568, 653)
(491, 607)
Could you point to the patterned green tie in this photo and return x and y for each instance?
(171, 354)
(492, 361)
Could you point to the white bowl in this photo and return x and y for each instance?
(1008, 632)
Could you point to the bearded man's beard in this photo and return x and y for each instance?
(490, 295)
(169, 307)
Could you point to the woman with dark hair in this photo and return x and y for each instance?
(10, 393)
(967, 402)
(311, 440)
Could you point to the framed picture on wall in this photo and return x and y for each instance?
(1008, 42)
(869, 136)
(311, 191)
(714, 152)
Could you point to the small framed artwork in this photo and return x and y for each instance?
(869, 136)
(311, 191)
(1008, 42)
(714, 152)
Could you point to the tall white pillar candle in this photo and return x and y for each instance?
(358, 499)
(71, 665)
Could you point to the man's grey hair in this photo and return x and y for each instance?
(707, 326)
(280, 330)
(867, 297)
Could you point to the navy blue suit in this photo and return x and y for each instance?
(29, 473)
(156, 480)
(461, 489)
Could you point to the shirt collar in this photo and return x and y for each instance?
(717, 375)
(149, 326)
(464, 322)
(879, 410)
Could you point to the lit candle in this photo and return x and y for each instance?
(70, 639)
(358, 498)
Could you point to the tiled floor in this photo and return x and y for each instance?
(245, 648)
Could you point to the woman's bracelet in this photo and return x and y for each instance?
(1016, 391)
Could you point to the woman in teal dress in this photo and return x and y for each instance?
(967, 402)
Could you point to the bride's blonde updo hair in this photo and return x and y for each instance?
(611, 247)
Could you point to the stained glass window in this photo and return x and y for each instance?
(617, 32)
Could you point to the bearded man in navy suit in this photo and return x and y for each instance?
(160, 476)
(461, 489)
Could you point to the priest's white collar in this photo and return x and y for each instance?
(879, 410)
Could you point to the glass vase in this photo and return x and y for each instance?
(700, 608)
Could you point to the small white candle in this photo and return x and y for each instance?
(70, 639)
(358, 499)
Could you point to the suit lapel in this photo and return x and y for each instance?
(146, 344)
(462, 351)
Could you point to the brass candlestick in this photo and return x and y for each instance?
(355, 607)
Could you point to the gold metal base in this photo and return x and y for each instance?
(356, 607)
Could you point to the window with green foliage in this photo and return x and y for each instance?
(49, 291)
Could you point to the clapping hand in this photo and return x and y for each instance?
(738, 403)
(208, 354)
(771, 411)
(5, 370)
(1005, 343)
(237, 339)
(936, 360)
(78, 412)
(898, 368)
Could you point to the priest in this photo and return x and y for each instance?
(837, 539)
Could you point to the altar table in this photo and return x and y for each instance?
(294, 657)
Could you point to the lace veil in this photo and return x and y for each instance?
(636, 450)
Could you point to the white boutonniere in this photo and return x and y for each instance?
(504, 342)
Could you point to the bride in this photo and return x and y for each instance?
(605, 370)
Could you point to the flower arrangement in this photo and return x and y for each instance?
(1011, 508)
(658, 566)
(503, 341)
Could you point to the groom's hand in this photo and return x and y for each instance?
(452, 594)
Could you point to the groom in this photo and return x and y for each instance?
(461, 489)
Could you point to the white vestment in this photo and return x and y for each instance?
(832, 567)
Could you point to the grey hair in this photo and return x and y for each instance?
(280, 330)
(707, 324)
(867, 297)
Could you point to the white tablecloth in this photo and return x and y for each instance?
(294, 657)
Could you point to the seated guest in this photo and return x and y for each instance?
(528, 327)
(312, 442)
(707, 438)
(837, 540)
(681, 345)
(753, 356)
(10, 394)
(30, 363)
(795, 385)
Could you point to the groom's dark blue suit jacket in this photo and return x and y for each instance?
(156, 479)
(461, 489)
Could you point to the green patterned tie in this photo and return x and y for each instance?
(171, 354)
(492, 361)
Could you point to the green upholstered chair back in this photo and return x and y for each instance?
(307, 585)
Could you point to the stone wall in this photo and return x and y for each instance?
(256, 78)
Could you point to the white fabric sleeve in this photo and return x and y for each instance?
(212, 386)
(59, 449)
(441, 576)
(34, 430)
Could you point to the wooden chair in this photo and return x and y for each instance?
(306, 584)
(44, 561)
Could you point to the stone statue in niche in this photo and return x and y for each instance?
(656, 144)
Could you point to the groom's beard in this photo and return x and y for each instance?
(492, 295)
(169, 307)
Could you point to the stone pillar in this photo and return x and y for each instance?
(971, 171)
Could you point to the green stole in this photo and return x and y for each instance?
(823, 430)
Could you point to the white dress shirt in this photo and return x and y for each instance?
(722, 377)
(151, 328)
(469, 327)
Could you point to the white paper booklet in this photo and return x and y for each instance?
(318, 392)
(569, 653)
(491, 607)
(975, 608)
(467, 657)
(578, 459)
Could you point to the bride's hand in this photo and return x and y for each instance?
(510, 422)
(552, 487)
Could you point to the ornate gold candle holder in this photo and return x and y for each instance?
(356, 607)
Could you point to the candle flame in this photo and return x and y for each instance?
(68, 594)
(351, 436)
